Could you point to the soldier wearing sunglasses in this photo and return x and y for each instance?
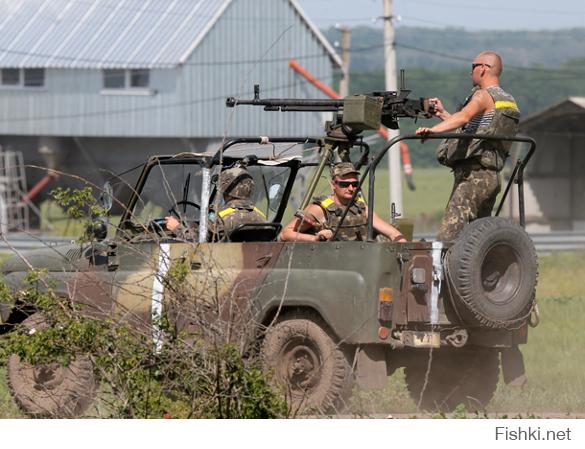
(476, 163)
(319, 219)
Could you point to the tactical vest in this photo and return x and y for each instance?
(490, 154)
(237, 212)
(355, 224)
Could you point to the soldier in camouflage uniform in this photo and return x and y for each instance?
(237, 187)
(476, 163)
(318, 221)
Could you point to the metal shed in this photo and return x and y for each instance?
(555, 177)
(101, 84)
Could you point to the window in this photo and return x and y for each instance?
(139, 78)
(114, 79)
(10, 77)
(23, 77)
(34, 77)
(126, 79)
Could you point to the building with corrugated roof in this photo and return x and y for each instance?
(88, 84)
(554, 188)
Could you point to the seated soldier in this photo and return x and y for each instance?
(236, 187)
(318, 221)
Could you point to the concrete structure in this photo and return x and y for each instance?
(555, 177)
(94, 85)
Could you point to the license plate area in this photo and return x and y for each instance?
(421, 339)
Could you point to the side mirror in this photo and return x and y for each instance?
(98, 229)
(274, 197)
(106, 198)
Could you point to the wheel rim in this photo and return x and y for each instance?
(501, 275)
(48, 377)
(299, 366)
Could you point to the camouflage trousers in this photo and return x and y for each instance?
(473, 196)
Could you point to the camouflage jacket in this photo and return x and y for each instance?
(355, 224)
(235, 213)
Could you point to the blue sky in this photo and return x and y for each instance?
(469, 14)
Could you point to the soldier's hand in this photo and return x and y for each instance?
(171, 223)
(324, 234)
(423, 131)
(437, 105)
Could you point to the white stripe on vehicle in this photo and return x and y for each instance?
(437, 277)
(158, 294)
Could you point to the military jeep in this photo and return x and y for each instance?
(321, 315)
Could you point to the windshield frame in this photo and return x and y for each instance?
(207, 161)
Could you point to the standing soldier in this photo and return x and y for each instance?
(319, 219)
(476, 163)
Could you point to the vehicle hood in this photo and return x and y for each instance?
(67, 257)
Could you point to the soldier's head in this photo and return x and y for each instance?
(236, 183)
(344, 181)
(486, 68)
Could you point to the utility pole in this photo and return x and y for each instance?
(394, 171)
(345, 40)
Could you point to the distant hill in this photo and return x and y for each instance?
(420, 47)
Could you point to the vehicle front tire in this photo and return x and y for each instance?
(51, 390)
(308, 363)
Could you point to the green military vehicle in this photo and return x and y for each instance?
(321, 315)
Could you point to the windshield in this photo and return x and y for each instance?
(170, 189)
(174, 188)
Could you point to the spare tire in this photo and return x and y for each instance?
(492, 269)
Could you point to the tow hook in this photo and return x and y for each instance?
(534, 319)
(457, 339)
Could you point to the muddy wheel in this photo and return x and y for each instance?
(464, 376)
(310, 366)
(51, 390)
(493, 269)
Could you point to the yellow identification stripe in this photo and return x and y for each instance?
(506, 104)
(260, 212)
(326, 203)
(229, 210)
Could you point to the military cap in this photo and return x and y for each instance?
(237, 183)
(343, 169)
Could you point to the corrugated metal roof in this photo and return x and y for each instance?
(103, 33)
(110, 33)
(559, 108)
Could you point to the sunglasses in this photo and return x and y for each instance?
(346, 184)
(478, 64)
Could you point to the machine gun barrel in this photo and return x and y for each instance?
(281, 104)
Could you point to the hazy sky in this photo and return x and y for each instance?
(470, 14)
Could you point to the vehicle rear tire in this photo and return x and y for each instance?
(307, 362)
(464, 376)
(51, 390)
(493, 270)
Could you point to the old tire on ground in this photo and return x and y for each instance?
(310, 366)
(464, 376)
(51, 390)
(493, 270)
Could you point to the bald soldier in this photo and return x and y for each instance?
(317, 222)
(476, 163)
